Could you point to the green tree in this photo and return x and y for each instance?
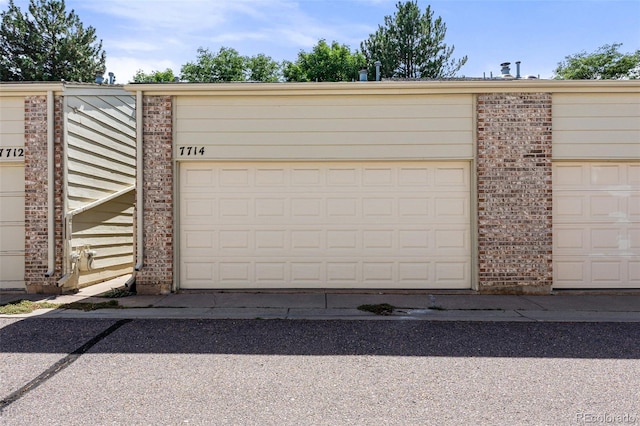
(228, 65)
(325, 62)
(225, 65)
(165, 76)
(606, 63)
(411, 44)
(262, 68)
(48, 44)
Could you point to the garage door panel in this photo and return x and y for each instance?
(634, 207)
(449, 177)
(570, 207)
(452, 272)
(598, 272)
(230, 273)
(596, 206)
(605, 272)
(634, 272)
(596, 225)
(12, 270)
(378, 225)
(330, 273)
(198, 178)
(229, 178)
(196, 210)
(12, 208)
(595, 176)
(570, 271)
(323, 208)
(382, 241)
(201, 239)
(12, 226)
(12, 237)
(634, 238)
(597, 239)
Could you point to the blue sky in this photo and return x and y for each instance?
(159, 34)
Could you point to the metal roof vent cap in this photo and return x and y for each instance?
(506, 71)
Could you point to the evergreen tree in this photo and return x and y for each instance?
(48, 44)
(411, 44)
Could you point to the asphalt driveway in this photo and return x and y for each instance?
(80, 371)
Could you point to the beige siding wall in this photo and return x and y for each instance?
(101, 147)
(596, 126)
(100, 141)
(11, 122)
(107, 229)
(12, 192)
(342, 127)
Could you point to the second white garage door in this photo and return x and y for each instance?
(596, 224)
(324, 225)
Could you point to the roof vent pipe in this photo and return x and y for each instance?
(363, 74)
(378, 64)
(112, 78)
(517, 69)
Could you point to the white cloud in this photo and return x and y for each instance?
(125, 67)
(186, 16)
(297, 38)
(143, 33)
(134, 46)
(239, 36)
(159, 34)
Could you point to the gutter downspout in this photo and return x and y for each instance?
(51, 232)
(139, 194)
(139, 183)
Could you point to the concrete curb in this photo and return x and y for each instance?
(328, 305)
(335, 314)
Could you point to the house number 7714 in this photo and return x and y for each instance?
(191, 150)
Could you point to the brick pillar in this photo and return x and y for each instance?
(36, 195)
(514, 193)
(156, 275)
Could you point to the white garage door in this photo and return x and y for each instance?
(324, 225)
(596, 225)
(12, 226)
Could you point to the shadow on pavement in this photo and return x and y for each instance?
(340, 337)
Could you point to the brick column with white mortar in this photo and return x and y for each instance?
(514, 193)
(36, 206)
(156, 275)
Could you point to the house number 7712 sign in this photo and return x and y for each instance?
(11, 154)
(190, 151)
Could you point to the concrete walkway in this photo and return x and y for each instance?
(313, 305)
